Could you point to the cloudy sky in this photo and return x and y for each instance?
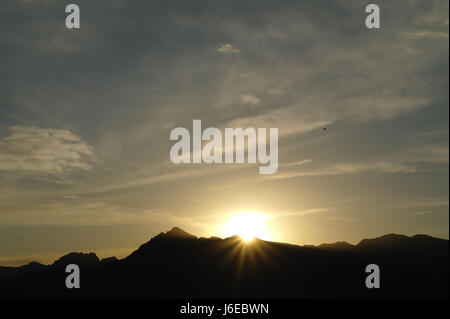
(85, 118)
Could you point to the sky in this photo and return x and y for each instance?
(86, 115)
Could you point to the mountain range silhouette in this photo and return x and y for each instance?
(176, 264)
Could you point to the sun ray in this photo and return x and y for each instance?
(248, 225)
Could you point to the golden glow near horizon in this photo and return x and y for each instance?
(247, 225)
(70, 181)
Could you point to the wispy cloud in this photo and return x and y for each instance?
(350, 168)
(298, 163)
(422, 213)
(427, 34)
(249, 99)
(424, 203)
(304, 116)
(35, 150)
(249, 75)
(288, 120)
(428, 153)
(227, 48)
(310, 211)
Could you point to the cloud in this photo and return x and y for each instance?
(438, 154)
(335, 72)
(424, 203)
(227, 49)
(290, 120)
(249, 75)
(298, 163)
(249, 99)
(350, 168)
(275, 91)
(301, 212)
(409, 160)
(33, 150)
(427, 34)
(304, 117)
(420, 213)
(423, 207)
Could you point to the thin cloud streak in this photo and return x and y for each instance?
(44, 151)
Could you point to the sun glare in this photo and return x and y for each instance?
(247, 226)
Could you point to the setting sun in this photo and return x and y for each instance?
(247, 226)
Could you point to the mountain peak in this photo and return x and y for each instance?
(388, 240)
(177, 232)
(77, 258)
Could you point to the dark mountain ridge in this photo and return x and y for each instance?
(177, 264)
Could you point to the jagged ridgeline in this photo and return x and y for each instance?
(177, 264)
